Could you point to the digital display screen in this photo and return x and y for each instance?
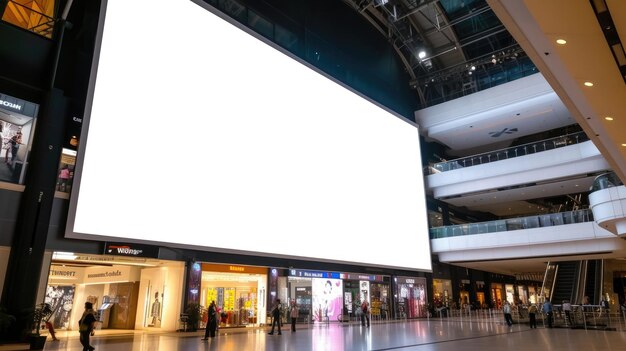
(200, 134)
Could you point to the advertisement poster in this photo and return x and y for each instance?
(60, 298)
(327, 299)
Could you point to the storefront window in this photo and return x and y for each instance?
(17, 120)
(236, 291)
(125, 294)
(65, 176)
(442, 289)
(410, 297)
(33, 15)
(496, 295)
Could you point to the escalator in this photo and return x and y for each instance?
(566, 282)
(573, 280)
(593, 281)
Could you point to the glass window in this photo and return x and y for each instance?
(36, 16)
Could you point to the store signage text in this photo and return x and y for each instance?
(109, 274)
(124, 250)
(136, 250)
(349, 276)
(236, 269)
(314, 274)
(56, 273)
(11, 105)
(76, 119)
(406, 280)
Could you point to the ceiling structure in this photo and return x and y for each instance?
(442, 43)
(585, 57)
(443, 28)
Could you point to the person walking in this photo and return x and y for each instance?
(211, 322)
(506, 309)
(532, 312)
(276, 317)
(567, 309)
(547, 309)
(86, 326)
(293, 314)
(365, 316)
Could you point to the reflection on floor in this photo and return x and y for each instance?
(434, 334)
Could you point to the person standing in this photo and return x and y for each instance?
(64, 177)
(506, 309)
(86, 326)
(365, 316)
(532, 312)
(276, 317)
(547, 309)
(293, 314)
(14, 145)
(211, 322)
(567, 309)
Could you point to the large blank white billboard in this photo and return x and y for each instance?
(199, 134)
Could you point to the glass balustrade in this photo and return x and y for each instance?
(605, 181)
(512, 152)
(505, 225)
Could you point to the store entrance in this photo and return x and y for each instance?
(236, 294)
(126, 292)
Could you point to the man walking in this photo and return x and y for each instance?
(276, 317)
(547, 309)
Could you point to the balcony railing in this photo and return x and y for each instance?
(503, 154)
(504, 225)
(605, 181)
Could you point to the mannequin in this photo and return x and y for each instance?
(155, 311)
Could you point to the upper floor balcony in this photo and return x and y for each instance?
(551, 235)
(608, 202)
(567, 157)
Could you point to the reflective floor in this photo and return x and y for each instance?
(434, 334)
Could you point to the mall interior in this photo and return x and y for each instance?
(521, 147)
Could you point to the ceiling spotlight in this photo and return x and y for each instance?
(623, 144)
(561, 41)
(473, 68)
(588, 84)
(608, 118)
(421, 54)
(494, 61)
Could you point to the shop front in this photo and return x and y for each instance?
(239, 293)
(335, 296)
(410, 297)
(17, 121)
(442, 291)
(496, 295)
(127, 292)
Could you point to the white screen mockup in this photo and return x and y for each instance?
(201, 135)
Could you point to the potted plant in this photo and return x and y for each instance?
(36, 340)
(194, 312)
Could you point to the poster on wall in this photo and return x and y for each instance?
(327, 299)
(61, 300)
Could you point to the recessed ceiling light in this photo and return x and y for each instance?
(608, 118)
(623, 144)
(588, 84)
(561, 41)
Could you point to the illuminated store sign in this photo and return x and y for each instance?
(10, 105)
(334, 275)
(135, 250)
(314, 274)
(13, 104)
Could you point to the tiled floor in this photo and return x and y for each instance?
(434, 334)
